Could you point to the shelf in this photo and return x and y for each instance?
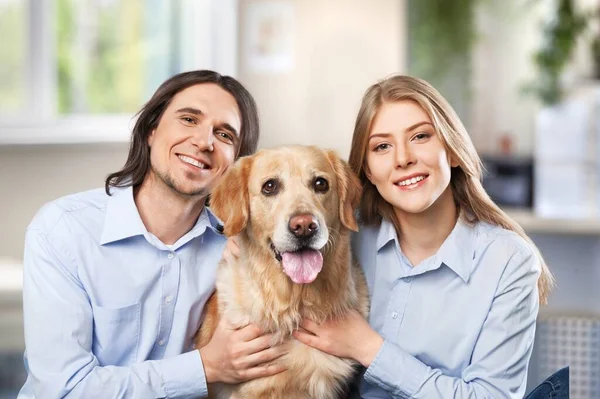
(536, 224)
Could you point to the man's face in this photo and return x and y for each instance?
(196, 139)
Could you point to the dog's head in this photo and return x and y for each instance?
(291, 201)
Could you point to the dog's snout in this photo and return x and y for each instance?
(303, 226)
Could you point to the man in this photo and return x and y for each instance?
(115, 279)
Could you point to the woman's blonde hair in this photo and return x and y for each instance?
(467, 189)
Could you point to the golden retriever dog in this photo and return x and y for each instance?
(293, 209)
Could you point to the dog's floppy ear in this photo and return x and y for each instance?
(349, 190)
(229, 200)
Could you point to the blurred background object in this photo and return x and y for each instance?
(522, 74)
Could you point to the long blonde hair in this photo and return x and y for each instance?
(465, 182)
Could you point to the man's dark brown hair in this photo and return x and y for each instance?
(138, 161)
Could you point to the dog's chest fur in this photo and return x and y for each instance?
(243, 300)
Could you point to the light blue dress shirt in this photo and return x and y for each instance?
(109, 310)
(461, 324)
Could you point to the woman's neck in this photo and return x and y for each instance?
(424, 233)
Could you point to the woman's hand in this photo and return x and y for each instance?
(351, 337)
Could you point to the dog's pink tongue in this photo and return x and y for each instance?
(302, 266)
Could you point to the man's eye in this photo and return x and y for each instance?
(225, 136)
(188, 119)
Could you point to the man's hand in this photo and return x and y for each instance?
(351, 337)
(237, 355)
(231, 253)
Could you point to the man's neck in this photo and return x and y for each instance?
(165, 213)
(423, 234)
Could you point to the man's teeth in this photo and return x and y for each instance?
(408, 182)
(192, 161)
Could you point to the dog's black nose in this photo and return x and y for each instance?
(303, 226)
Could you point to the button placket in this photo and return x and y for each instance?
(170, 281)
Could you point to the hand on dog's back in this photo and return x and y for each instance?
(231, 253)
(236, 355)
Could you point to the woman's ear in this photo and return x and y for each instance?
(368, 172)
(229, 201)
(453, 162)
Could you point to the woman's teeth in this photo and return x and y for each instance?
(408, 182)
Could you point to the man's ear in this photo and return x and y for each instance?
(151, 137)
(229, 200)
(349, 190)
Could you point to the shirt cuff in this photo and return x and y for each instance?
(396, 371)
(183, 376)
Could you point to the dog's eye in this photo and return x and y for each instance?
(270, 187)
(321, 185)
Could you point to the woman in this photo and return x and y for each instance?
(455, 283)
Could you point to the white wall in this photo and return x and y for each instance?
(341, 47)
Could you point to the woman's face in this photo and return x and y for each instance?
(406, 160)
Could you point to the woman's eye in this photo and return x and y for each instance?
(382, 146)
(421, 136)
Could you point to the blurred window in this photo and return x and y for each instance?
(13, 60)
(80, 60)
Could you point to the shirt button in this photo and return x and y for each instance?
(170, 256)
(161, 342)
(168, 299)
(408, 279)
(394, 315)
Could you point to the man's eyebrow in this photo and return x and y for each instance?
(189, 110)
(227, 126)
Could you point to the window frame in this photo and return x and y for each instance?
(213, 25)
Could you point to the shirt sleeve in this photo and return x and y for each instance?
(501, 355)
(58, 324)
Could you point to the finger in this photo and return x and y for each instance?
(307, 338)
(263, 371)
(260, 343)
(233, 247)
(249, 333)
(228, 257)
(265, 356)
(309, 325)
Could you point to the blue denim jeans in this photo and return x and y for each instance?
(554, 387)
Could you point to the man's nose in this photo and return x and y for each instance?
(203, 138)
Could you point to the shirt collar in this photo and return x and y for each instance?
(457, 251)
(387, 233)
(122, 219)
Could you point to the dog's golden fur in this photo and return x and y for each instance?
(256, 290)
